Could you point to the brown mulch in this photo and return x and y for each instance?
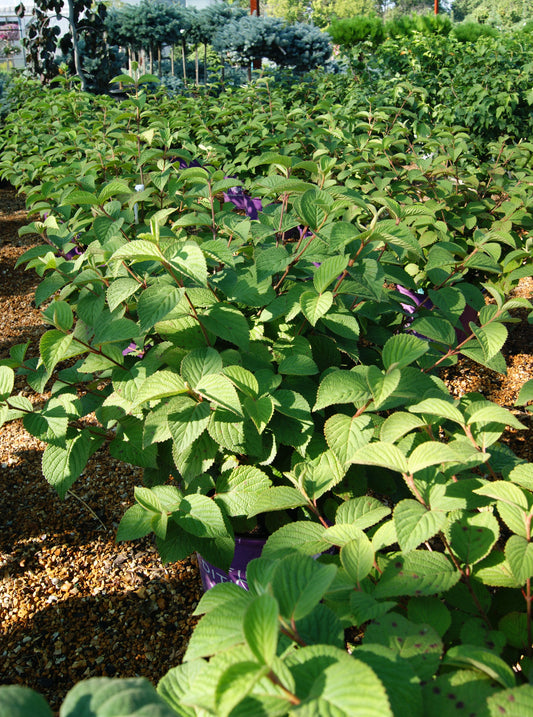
(73, 603)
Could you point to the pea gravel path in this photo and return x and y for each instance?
(73, 603)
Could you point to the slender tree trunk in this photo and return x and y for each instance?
(151, 55)
(75, 46)
(184, 61)
(205, 63)
(159, 71)
(196, 67)
(172, 60)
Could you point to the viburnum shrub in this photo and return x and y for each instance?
(264, 336)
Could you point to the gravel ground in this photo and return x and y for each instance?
(73, 604)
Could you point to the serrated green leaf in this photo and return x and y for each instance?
(304, 536)
(504, 491)
(156, 302)
(472, 536)
(138, 250)
(243, 380)
(111, 189)
(430, 611)
(515, 702)
(361, 512)
(201, 516)
(386, 455)
(7, 381)
(315, 306)
(299, 583)
(418, 644)
(346, 434)
(260, 627)
(397, 425)
(234, 684)
(417, 573)
(430, 453)
(402, 349)
(120, 290)
(220, 391)
(468, 688)
(439, 407)
(260, 410)
(519, 555)
(526, 393)
(134, 524)
(55, 346)
(495, 571)
(328, 271)
(485, 661)
(190, 261)
(357, 558)
(341, 387)
(238, 489)
(492, 337)
(488, 412)
(21, 701)
(188, 423)
(62, 465)
(162, 384)
(228, 323)
(297, 364)
(415, 524)
(277, 498)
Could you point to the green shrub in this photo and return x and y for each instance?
(472, 31)
(350, 31)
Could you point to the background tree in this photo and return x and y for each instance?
(43, 37)
(504, 13)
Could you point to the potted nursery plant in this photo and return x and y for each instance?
(248, 365)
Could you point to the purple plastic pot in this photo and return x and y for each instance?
(246, 549)
(469, 314)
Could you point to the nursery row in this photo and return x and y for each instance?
(254, 294)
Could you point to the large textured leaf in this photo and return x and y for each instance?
(260, 410)
(114, 697)
(329, 270)
(304, 536)
(418, 644)
(261, 627)
(516, 702)
(472, 536)
(519, 555)
(220, 629)
(62, 465)
(238, 490)
(189, 260)
(386, 455)
(333, 693)
(187, 424)
(55, 346)
(382, 384)
(418, 573)
(199, 363)
(138, 250)
(228, 323)
(7, 381)
(341, 387)
(299, 583)
(485, 661)
(346, 434)
(120, 290)
(439, 407)
(235, 684)
(457, 692)
(488, 412)
(161, 384)
(220, 391)
(415, 524)
(174, 685)
(156, 302)
(314, 306)
(362, 512)
(357, 558)
(201, 516)
(402, 349)
(491, 337)
(20, 701)
(279, 497)
(398, 677)
(430, 453)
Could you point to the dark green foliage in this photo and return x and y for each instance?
(407, 25)
(348, 32)
(472, 31)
